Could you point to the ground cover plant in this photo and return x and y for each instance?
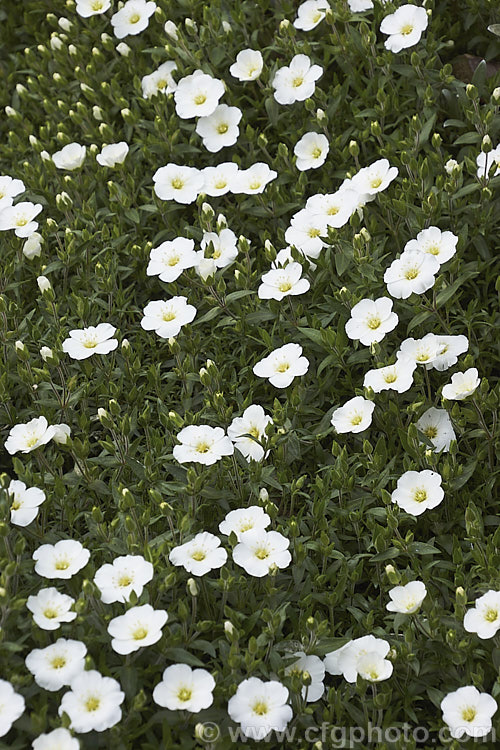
(249, 391)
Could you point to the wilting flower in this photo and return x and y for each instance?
(259, 550)
(260, 707)
(50, 608)
(93, 703)
(219, 129)
(132, 18)
(126, 574)
(279, 283)
(370, 320)
(484, 617)
(315, 668)
(404, 27)
(442, 245)
(412, 272)
(113, 154)
(354, 416)
(407, 599)
(436, 425)
(311, 151)
(27, 437)
(171, 258)
(32, 248)
(310, 14)
(418, 491)
(83, 343)
(138, 627)
(248, 65)
(282, 365)
(200, 555)
(462, 384)
(60, 560)
(20, 218)
(296, 82)
(70, 157)
(166, 317)
(24, 502)
(160, 81)
(197, 95)
(253, 422)
(184, 688)
(374, 178)
(12, 706)
(468, 712)
(57, 664)
(244, 519)
(178, 183)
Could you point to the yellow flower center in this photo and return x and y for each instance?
(420, 495)
(31, 441)
(199, 555)
(16, 505)
(316, 153)
(317, 16)
(140, 633)
(390, 377)
(216, 254)
(21, 221)
(92, 703)
(200, 99)
(245, 526)
(491, 615)
(433, 249)
(90, 342)
(254, 431)
(125, 580)
(135, 18)
(177, 183)
(58, 662)
(222, 128)
(469, 713)
(168, 315)
(411, 274)
(373, 323)
(313, 232)
(283, 367)
(202, 447)
(220, 184)
(173, 260)
(184, 694)
(431, 432)
(96, 5)
(356, 419)
(162, 84)
(62, 564)
(285, 286)
(255, 185)
(50, 613)
(407, 29)
(297, 82)
(260, 708)
(422, 356)
(376, 182)
(261, 553)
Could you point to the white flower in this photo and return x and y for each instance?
(314, 666)
(462, 384)
(87, 8)
(412, 272)
(61, 433)
(404, 27)
(375, 178)
(334, 209)
(442, 245)
(32, 248)
(57, 664)
(160, 81)
(312, 149)
(407, 599)
(358, 6)
(127, 573)
(184, 688)
(171, 30)
(138, 627)
(46, 353)
(220, 247)
(364, 656)
(113, 154)
(244, 519)
(310, 14)
(282, 365)
(253, 422)
(305, 232)
(484, 617)
(421, 351)
(178, 183)
(450, 347)
(93, 703)
(296, 82)
(197, 95)
(83, 343)
(397, 377)
(202, 444)
(60, 560)
(171, 258)
(280, 283)
(485, 162)
(370, 320)
(132, 18)
(70, 157)
(418, 491)
(58, 739)
(436, 425)
(260, 707)
(219, 129)
(206, 267)
(259, 550)
(253, 180)
(451, 165)
(43, 283)
(468, 712)
(167, 317)
(9, 189)
(24, 502)
(200, 555)
(20, 218)
(27, 437)
(11, 706)
(354, 416)
(50, 608)
(248, 65)
(219, 180)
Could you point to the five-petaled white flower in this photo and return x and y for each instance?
(197, 95)
(83, 343)
(374, 178)
(184, 688)
(70, 156)
(397, 377)
(50, 608)
(253, 422)
(462, 384)
(436, 425)
(20, 218)
(219, 180)
(260, 707)
(282, 365)
(442, 245)
(219, 129)
(60, 738)
(468, 712)
(27, 437)
(404, 27)
(283, 282)
(244, 519)
(138, 627)
(56, 665)
(253, 180)
(93, 703)
(258, 550)
(407, 599)
(9, 189)
(370, 320)
(311, 151)
(200, 555)
(24, 502)
(12, 706)
(354, 416)
(171, 258)
(178, 183)
(484, 617)
(412, 272)
(297, 81)
(166, 317)
(248, 65)
(60, 560)
(418, 491)
(132, 18)
(363, 656)
(160, 81)
(202, 444)
(310, 14)
(113, 154)
(126, 574)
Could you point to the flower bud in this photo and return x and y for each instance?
(46, 353)
(227, 27)
(354, 148)
(33, 246)
(123, 49)
(496, 94)
(65, 24)
(486, 144)
(192, 587)
(43, 284)
(171, 30)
